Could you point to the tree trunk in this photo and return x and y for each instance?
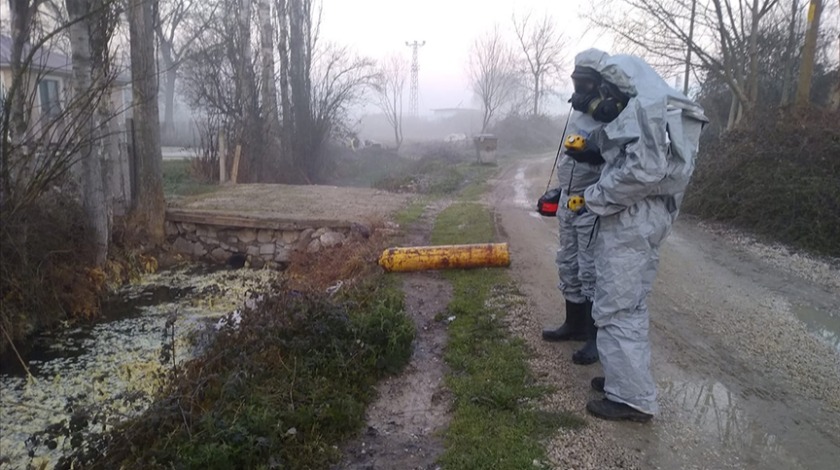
(806, 70)
(170, 76)
(86, 130)
(21, 12)
(250, 131)
(268, 91)
(733, 112)
(834, 101)
(753, 52)
(789, 56)
(536, 93)
(299, 79)
(286, 107)
(150, 211)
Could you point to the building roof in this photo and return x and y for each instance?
(43, 60)
(46, 60)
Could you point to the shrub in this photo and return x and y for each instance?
(45, 274)
(776, 178)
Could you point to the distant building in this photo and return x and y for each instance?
(450, 113)
(47, 82)
(48, 76)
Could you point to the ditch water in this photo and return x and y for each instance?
(87, 379)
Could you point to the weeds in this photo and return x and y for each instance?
(495, 421)
(281, 390)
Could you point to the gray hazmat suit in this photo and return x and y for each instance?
(649, 152)
(575, 260)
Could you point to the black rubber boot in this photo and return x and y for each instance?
(598, 384)
(573, 328)
(588, 354)
(614, 411)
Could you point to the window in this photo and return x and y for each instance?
(50, 102)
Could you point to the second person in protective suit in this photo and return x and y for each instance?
(579, 168)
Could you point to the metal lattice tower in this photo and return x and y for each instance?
(414, 94)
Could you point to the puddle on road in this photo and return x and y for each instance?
(714, 412)
(519, 186)
(824, 325)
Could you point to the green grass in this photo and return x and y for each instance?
(496, 423)
(412, 212)
(177, 180)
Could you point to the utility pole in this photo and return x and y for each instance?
(414, 94)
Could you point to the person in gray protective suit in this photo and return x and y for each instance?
(577, 170)
(649, 148)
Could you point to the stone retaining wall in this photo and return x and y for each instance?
(262, 247)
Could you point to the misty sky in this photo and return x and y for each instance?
(378, 27)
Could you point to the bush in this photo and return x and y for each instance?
(528, 133)
(45, 274)
(778, 179)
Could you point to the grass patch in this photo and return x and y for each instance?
(495, 422)
(178, 180)
(412, 213)
(281, 391)
(463, 223)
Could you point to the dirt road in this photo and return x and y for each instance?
(746, 353)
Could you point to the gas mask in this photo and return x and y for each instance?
(593, 96)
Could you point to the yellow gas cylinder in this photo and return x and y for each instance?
(422, 258)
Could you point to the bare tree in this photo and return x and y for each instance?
(150, 210)
(491, 73)
(542, 46)
(239, 89)
(389, 92)
(180, 24)
(809, 51)
(724, 40)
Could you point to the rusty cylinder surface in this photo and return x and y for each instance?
(422, 258)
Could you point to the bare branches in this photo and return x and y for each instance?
(492, 74)
(389, 88)
(542, 46)
(724, 38)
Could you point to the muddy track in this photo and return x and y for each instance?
(403, 423)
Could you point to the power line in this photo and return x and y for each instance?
(414, 93)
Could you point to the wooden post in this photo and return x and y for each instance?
(236, 159)
(222, 158)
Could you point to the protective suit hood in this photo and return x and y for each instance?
(592, 58)
(635, 78)
(650, 148)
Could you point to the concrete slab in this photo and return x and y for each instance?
(288, 207)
